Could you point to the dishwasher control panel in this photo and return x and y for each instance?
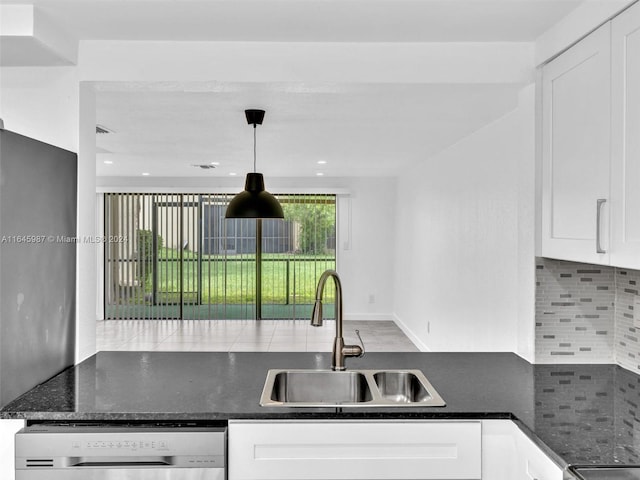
(122, 443)
(71, 447)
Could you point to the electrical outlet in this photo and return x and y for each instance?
(636, 311)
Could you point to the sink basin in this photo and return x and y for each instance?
(353, 388)
(401, 387)
(320, 386)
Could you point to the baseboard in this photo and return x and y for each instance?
(369, 316)
(409, 333)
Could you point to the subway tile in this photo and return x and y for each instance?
(601, 317)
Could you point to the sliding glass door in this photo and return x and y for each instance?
(295, 253)
(177, 257)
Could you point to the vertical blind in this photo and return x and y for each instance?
(175, 256)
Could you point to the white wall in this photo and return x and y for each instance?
(395, 62)
(464, 245)
(87, 252)
(527, 117)
(42, 103)
(366, 237)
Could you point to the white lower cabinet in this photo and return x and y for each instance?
(508, 454)
(297, 450)
(368, 450)
(8, 429)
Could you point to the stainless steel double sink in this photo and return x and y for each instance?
(352, 388)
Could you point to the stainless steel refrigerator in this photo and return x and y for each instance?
(37, 262)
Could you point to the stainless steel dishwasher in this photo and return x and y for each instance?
(50, 452)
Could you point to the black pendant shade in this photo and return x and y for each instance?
(254, 201)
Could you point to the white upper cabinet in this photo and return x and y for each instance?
(625, 121)
(576, 143)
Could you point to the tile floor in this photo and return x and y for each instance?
(246, 335)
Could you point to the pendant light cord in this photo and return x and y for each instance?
(254, 148)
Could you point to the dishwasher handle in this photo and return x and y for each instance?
(121, 462)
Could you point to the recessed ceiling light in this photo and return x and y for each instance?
(319, 174)
(146, 174)
(322, 162)
(108, 162)
(233, 174)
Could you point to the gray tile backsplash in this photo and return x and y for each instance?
(574, 312)
(627, 346)
(584, 314)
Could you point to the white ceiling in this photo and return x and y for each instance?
(358, 129)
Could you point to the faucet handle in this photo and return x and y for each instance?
(354, 350)
(361, 343)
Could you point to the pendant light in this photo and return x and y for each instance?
(254, 201)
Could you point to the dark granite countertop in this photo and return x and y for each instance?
(580, 414)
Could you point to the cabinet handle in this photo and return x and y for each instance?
(599, 203)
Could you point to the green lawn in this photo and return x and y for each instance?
(231, 279)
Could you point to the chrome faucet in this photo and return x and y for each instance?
(340, 350)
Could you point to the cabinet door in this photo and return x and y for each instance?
(354, 450)
(499, 453)
(576, 150)
(625, 162)
(533, 464)
(508, 454)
